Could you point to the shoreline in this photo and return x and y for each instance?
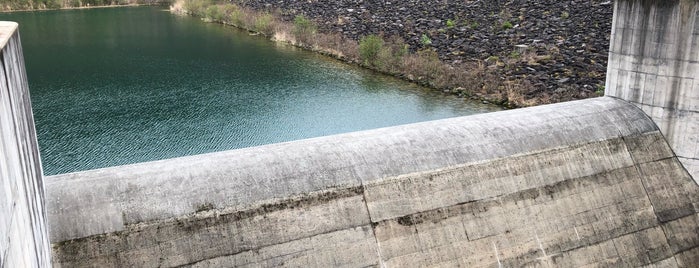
(517, 55)
(496, 71)
(423, 67)
(72, 8)
(164, 4)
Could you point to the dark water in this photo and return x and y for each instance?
(116, 86)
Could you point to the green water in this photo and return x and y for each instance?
(116, 86)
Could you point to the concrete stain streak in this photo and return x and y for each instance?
(497, 255)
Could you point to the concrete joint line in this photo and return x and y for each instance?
(371, 225)
(647, 73)
(645, 189)
(662, 107)
(649, 57)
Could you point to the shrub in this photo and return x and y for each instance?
(369, 48)
(263, 24)
(450, 24)
(425, 67)
(303, 24)
(507, 25)
(390, 57)
(195, 7)
(233, 14)
(304, 29)
(425, 40)
(214, 13)
(432, 66)
(600, 90)
(52, 3)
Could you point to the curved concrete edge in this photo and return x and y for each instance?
(613, 194)
(107, 200)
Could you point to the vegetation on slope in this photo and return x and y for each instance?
(14, 5)
(386, 54)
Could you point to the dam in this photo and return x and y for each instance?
(609, 181)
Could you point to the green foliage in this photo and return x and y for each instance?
(263, 24)
(234, 15)
(52, 4)
(195, 7)
(425, 40)
(507, 25)
(451, 24)
(600, 90)
(304, 29)
(515, 54)
(565, 15)
(93, 2)
(391, 55)
(369, 48)
(303, 25)
(12, 5)
(214, 13)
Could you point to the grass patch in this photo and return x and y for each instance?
(304, 29)
(263, 24)
(425, 40)
(451, 24)
(507, 25)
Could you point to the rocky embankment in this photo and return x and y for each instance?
(557, 48)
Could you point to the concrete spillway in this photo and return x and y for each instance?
(598, 182)
(571, 184)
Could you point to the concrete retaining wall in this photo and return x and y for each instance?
(581, 183)
(654, 63)
(23, 232)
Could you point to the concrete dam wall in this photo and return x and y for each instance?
(590, 182)
(24, 240)
(654, 64)
(598, 182)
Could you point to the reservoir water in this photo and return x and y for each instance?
(114, 86)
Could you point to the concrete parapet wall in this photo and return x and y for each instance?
(654, 63)
(23, 231)
(581, 183)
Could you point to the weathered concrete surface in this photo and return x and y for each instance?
(581, 183)
(23, 231)
(106, 200)
(654, 63)
(577, 184)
